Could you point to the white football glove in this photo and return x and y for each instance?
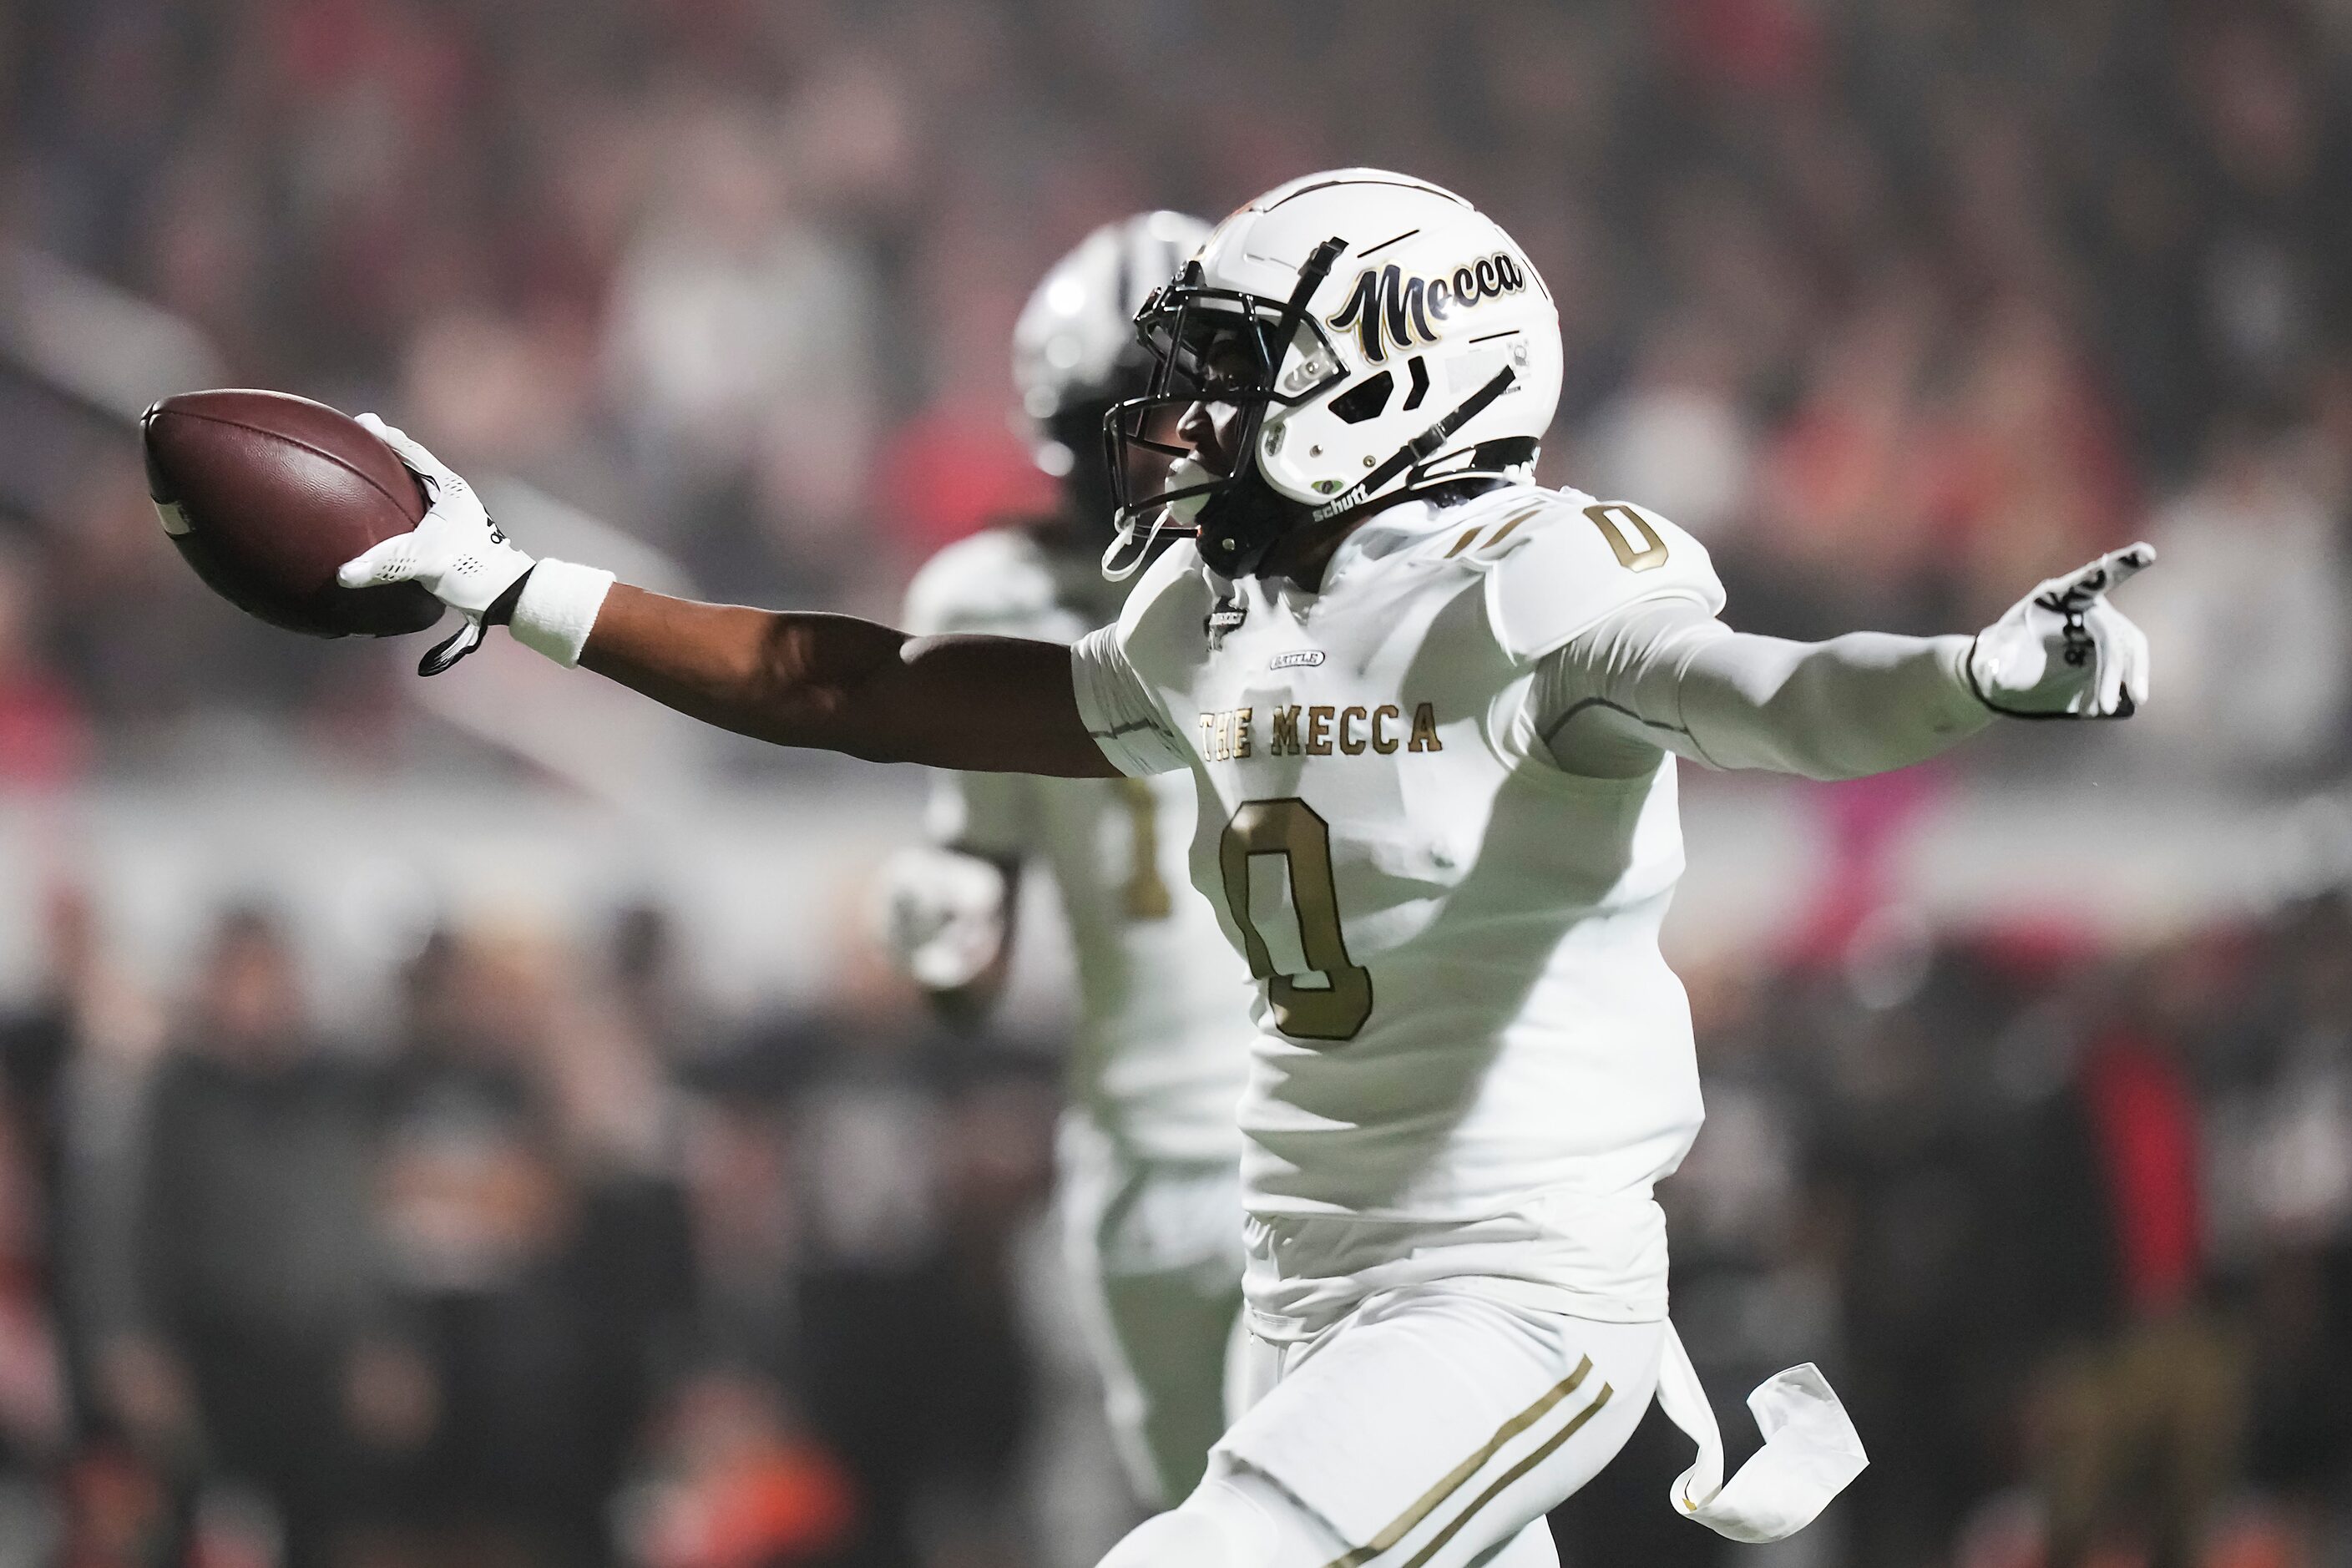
(2062, 651)
(456, 552)
(943, 915)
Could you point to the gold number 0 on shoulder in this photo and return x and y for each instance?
(1610, 518)
(1291, 829)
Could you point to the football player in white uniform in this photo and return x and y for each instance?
(1433, 714)
(1149, 1153)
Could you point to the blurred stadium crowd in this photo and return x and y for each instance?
(1899, 306)
(1895, 305)
(555, 1274)
(564, 1270)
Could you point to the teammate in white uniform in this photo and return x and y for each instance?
(1432, 714)
(1148, 1151)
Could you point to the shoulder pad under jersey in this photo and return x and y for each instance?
(1171, 595)
(998, 582)
(1557, 563)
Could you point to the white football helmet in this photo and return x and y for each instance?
(1380, 336)
(1075, 351)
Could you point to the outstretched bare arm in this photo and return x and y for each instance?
(980, 703)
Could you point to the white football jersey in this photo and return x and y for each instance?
(1162, 1045)
(1462, 1013)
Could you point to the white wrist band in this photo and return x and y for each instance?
(557, 607)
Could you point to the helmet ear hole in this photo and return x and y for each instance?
(1368, 401)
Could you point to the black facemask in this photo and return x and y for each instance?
(1217, 346)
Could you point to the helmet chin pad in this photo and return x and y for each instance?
(1239, 523)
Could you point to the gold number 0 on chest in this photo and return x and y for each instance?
(1290, 828)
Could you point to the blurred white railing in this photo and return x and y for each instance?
(110, 350)
(772, 888)
(86, 360)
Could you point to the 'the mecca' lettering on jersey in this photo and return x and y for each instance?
(1229, 734)
(1386, 305)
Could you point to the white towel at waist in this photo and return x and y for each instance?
(1810, 1450)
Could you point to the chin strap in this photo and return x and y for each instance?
(1415, 451)
(1116, 570)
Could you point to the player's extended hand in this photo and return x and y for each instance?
(2063, 651)
(943, 915)
(456, 553)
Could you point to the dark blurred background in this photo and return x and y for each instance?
(584, 1191)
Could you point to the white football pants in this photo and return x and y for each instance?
(1430, 1428)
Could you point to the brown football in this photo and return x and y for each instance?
(265, 495)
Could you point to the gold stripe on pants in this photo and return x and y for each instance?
(1405, 1522)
